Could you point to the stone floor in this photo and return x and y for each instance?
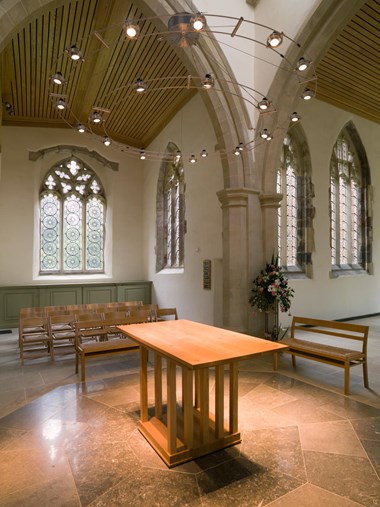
(304, 443)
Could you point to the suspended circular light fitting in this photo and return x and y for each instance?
(208, 82)
(241, 146)
(295, 117)
(303, 64)
(198, 21)
(106, 141)
(74, 53)
(81, 128)
(265, 134)
(140, 86)
(275, 39)
(192, 159)
(181, 32)
(61, 104)
(237, 151)
(96, 117)
(142, 155)
(263, 104)
(131, 29)
(57, 78)
(204, 153)
(307, 94)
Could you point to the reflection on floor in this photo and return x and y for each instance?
(63, 443)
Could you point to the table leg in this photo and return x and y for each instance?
(158, 385)
(187, 404)
(143, 384)
(219, 401)
(196, 389)
(233, 397)
(204, 405)
(171, 406)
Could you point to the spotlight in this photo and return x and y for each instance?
(142, 155)
(263, 104)
(207, 82)
(308, 94)
(192, 159)
(106, 141)
(61, 104)
(204, 154)
(140, 86)
(96, 117)
(275, 39)
(57, 78)
(295, 117)
(265, 134)
(198, 21)
(131, 29)
(81, 128)
(237, 151)
(241, 146)
(303, 64)
(178, 156)
(74, 53)
(8, 107)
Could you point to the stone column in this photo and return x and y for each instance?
(241, 212)
(269, 206)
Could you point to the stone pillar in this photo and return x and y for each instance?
(269, 206)
(238, 206)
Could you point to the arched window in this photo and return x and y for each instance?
(350, 222)
(170, 212)
(296, 211)
(72, 218)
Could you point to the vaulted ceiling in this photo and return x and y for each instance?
(348, 75)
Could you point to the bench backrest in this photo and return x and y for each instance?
(333, 328)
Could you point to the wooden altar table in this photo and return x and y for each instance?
(189, 429)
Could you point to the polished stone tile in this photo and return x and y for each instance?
(303, 411)
(348, 476)
(312, 496)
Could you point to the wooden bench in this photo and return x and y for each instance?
(302, 343)
(95, 330)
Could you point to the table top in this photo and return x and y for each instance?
(198, 345)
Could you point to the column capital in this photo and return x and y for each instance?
(270, 200)
(235, 197)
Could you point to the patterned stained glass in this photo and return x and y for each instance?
(174, 213)
(50, 232)
(279, 216)
(345, 205)
(291, 216)
(72, 207)
(94, 231)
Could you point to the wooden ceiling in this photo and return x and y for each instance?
(348, 75)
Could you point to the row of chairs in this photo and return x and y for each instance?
(50, 334)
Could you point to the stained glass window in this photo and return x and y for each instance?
(174, 214)
(345, 204)
(72, 219)
(295, 213)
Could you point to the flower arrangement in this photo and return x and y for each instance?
(271, 289)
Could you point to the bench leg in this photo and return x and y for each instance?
(365, 374)
(83, 366)
(347, 379)
(275, 360)
(293, 360)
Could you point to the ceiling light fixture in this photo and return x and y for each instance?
(237, 151)
(131, 30)
(295, 117)
(139, 85)
(241, 146)
(265, 134)
(198, 21)
(142, 155)
(81, 128)
(307, 94)
(192, 159)
(208, 82)
(263, 104)
(275, 39)
(74, 53)
(106, 141)
(61, 104)
(204, 153)
(57, 78)
(303, 64)
(96, 117)
(178, 156)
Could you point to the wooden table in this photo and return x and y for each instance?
(189, 429)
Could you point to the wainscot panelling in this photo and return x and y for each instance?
(14, 298)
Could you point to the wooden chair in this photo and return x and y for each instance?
(62, 330)
(166, 313)
(93, 331)
(113, 319)
(140, 316)
(34, 336)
